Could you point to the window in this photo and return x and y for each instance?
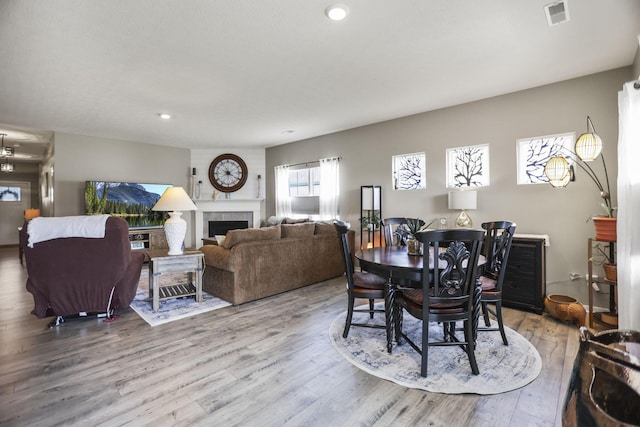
(409, 171)
(468, 166)
(534, 153)
(304, 182)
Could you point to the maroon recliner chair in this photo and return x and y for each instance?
(77, 276)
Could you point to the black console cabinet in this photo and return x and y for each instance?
(524, 284)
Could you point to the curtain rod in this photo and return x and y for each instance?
(312, 162)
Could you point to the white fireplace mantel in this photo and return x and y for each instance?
(224, 205)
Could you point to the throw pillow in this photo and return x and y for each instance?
(294, 221)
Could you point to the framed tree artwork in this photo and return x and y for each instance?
(533, 154)
(468, 166)
(409, 171)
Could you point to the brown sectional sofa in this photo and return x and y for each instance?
(260, 262)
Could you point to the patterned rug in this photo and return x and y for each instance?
(171, 309)
(502, 368)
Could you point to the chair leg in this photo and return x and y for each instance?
(468, 336)
(500, 323)
(371, 306)
(485, 314)
(425, 347)
(347, 324)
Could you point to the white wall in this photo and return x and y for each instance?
(254, 158)
(557, 108)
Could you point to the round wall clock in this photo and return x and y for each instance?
(228, 173)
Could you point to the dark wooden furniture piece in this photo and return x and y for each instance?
(361, 285)
(608, 320)
(497, 245)
(448, 295)
(395, 264)
(148, 238)
(524, 284)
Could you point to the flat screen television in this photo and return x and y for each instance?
(128, 200)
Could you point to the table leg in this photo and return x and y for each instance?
(389, 300)
(198, 274)
(154, 287)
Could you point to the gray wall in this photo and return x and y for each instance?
(557, 108)
(81, 158)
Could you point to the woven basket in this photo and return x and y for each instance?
(565, 308)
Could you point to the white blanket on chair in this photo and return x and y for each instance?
(48, 228)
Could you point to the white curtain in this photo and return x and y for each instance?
(629, 208)
(329, 188)
(283, 201)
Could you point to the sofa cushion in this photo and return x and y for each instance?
(298, 230)
(325, 228)
(251, 235)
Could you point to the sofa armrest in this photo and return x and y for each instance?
(217, 256)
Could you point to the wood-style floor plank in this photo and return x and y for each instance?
(265, 363)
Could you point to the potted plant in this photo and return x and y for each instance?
(407, 235)
(606, 259)
(371, 221)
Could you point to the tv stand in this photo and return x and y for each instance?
(147, 238)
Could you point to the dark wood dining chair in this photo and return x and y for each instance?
(390, 227)
(497, 245)
(448, 292)
(360, 285)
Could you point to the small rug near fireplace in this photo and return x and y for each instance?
(502, 368)
(171, 309)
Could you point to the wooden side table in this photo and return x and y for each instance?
(190, 263)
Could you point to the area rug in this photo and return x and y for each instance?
(171, 309)
(502, 368)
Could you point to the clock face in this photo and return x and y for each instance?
(228, 173)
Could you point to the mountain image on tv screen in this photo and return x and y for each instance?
(131, 201)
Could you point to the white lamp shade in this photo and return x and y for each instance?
(588, 146)
(174, 199)
(371, 198)
(463, 199)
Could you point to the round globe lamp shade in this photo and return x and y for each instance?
(557, 171)
(588, 146)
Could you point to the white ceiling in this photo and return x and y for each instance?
(244, 73)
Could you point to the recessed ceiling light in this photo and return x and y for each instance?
(337, 12)
(165, 116)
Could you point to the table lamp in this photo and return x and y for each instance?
(174, 200)
(463, 200)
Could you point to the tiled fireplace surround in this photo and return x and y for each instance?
(225, 210)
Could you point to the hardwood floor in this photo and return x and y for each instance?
(266, 363)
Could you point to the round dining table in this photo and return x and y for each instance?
(396, 265)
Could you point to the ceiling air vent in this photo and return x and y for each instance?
(557, 13)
